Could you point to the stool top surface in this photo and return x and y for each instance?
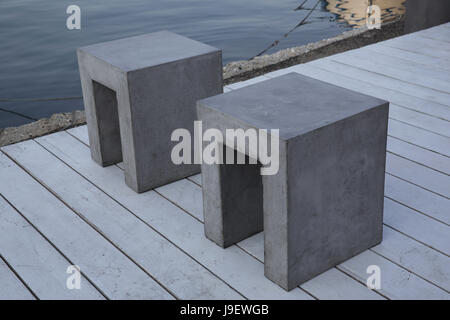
(293, 103)
(147, 50)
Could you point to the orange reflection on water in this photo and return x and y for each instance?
(353, 12)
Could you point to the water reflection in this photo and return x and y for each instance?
(348, 12)
(38, 60)
(353, 12)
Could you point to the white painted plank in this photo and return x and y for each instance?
(431, 75)
(186, 194)
(408, 71)
(80, 133)
(280, 72)
(397, 129)
(414, 153)
(39, 264)
(254, 245)
(422, 260)
(182, 193)
(172, 268)
(417, 198)
(376, 90)
(421, 45)
(437, 33)
(11, 288)
(243, 272)
(196, 178)
(418, 226)
(396, 282)
(443, 27)
(336, 285)
(381, 49)
(409, 251)
(330, 285)
(422, 176)
(420, 137)
(410, 254)
(106, 266)
(256, 250)
(384, 81)
(420, 120)
(436, 36)
(242, 84)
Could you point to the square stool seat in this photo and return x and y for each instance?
(136, 92)
(325, 203)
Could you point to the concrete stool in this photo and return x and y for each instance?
(136, 92)
(325, 204)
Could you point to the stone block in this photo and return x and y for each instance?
(325, 204)
(138, 90)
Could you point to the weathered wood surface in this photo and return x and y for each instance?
(11, 287)
(35, 260)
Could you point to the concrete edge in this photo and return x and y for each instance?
(232, 72)
(57, 122)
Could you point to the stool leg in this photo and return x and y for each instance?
(326, 205)
(103, 122)
(232, 199)
(276, 213)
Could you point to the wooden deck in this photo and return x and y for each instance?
(59, 208)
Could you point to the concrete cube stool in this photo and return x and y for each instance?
(325, 204)
(136, 92)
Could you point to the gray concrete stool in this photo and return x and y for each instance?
(136, 92)
(325, 204)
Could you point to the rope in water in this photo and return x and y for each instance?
(32, 100)
(276, 42)
(38, 99)
(301, 5)
(18, 114)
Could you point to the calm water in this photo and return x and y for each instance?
(38, 61)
